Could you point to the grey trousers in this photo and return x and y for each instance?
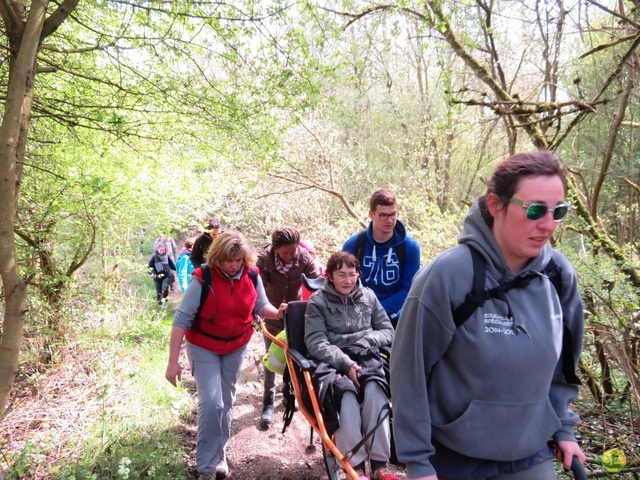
(356, 420)
(216, 377)
(541, 471)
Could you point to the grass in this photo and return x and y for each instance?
(103, 410)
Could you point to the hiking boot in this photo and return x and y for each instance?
(266, 418)
(222, 470)
(207, 476)
(163, 303)
(384, 474)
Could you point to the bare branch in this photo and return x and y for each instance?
(604, 46)
(618, 69)
(56, 49)
(12, 14)
(634, 186)
(58, 17)
(611, 143)
(615, 14)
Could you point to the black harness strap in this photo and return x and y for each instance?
(475, 298)
(479, 295)
(382, 416)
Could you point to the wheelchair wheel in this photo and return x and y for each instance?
(331, 464)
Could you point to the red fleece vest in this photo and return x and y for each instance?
(226, 313)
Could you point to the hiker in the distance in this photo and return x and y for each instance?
(203, 242)
(479, 389)
(217, 327)
(160, 268)
(389, 257)
(172, 251)
(184, 267)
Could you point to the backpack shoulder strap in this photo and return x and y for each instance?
(361, 242)
(206, 284)
(552, 271)
(401, 252)
(475, 298)
(253, 275)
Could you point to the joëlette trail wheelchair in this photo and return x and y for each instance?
(299, 373)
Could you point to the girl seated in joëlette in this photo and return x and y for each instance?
(345, 326)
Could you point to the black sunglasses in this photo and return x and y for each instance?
(536, 211)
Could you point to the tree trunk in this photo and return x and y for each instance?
(24, 40)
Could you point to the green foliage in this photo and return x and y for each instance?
(119, 392)
(26, 462)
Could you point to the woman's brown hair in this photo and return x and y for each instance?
(339, 259)
(228, 246)
(506, 176)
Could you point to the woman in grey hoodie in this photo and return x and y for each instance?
(480, 400)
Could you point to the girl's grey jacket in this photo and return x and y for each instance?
(334, 321)
(491, 390)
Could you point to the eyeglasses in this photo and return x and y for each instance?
(386, 216)
(344, 276)
(537, 211)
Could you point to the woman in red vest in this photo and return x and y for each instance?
(217, 333)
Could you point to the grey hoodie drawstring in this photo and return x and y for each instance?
(517, 328)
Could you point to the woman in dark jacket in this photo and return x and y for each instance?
(160, 267)
(281, 265)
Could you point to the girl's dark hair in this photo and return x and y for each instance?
(506, 176)
(339, 259)
(284, 236)
(211, 223)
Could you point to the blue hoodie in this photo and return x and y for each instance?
(482, 399)
(381, 269)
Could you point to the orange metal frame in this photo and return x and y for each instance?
(315, 419)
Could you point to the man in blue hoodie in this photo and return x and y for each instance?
(389, 258)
